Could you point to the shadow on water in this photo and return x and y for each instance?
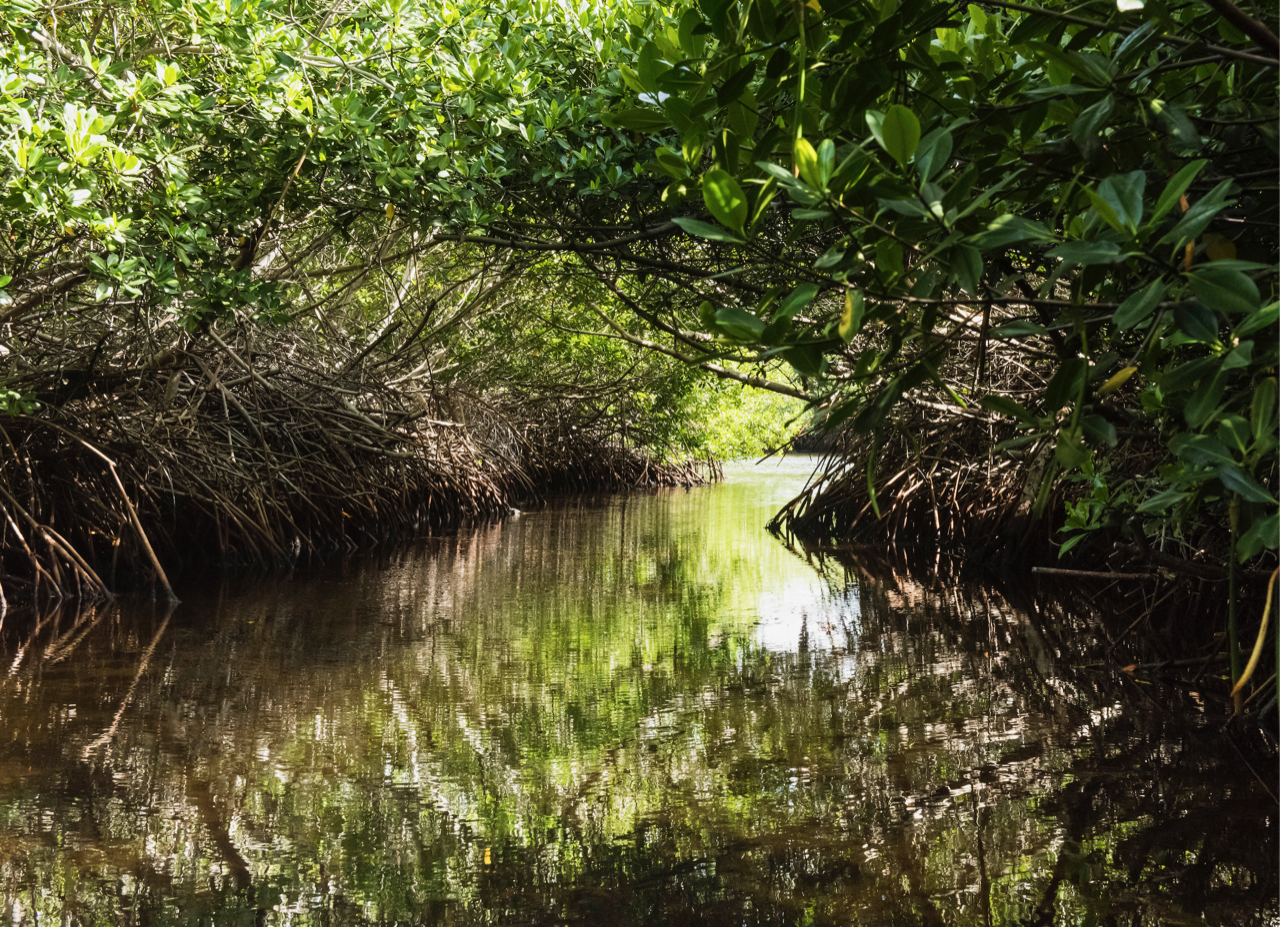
(637, 710)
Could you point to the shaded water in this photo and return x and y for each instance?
(641, 709)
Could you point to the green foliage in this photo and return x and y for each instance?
(837, 187)
(732, 422)
(1091, 176)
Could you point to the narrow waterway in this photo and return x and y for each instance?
(639, 709)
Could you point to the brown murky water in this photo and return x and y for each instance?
(637, 710)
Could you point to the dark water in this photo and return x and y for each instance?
(642, 710)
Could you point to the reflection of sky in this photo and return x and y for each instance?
(804, 607)
(794, 601)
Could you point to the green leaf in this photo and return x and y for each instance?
(1160, 502)
(1106, 210)
(740, 324)
(1197, 218)
(1003, 405)
(1009, 229)
(1174, 189)
(1185, 376)
(1205, 401)
(725, 199)
(1227, 291)
(1175, 121)
(1197, 321)
(898, 133)
(1140, 305)
(1262, 409)
(807, 359)
(732, 88)
(1243, 485)
(1263, 533)
(806, 161)
(639, 120)
(1090, 122)
(1070, 451)
(1259, 319)
(1065, 384)
(707, 230)
(966, 265)
(797, 299)
(1201, 450)
(851, 318)
(934, 152)
(1123, 193)
(1088, 252)
(1019, 329)
(1070, 543)
(650, 66)
(888, 258)
(1233, 431)
(1099, 430)
(1241, 355)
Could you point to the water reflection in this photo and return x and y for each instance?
(640, 710)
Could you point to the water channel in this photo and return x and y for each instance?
(636, 709)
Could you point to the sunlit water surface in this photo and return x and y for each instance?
(639, 709)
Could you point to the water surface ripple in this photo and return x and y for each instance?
(639, 709)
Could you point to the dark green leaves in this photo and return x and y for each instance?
(897, 131)
(1090, 122)
(1010, 229)
(1175, 188)
(1197, 218)
(732, 88)
(1140, 305)
(1006, 406)
(933, 153)
(706, 230)
(1119, 200)
(640, 120)
(1197, 321)
(1201, 450)
(1088, 252)
(1228, 291)
(1065, 384)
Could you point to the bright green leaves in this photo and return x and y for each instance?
(739, 323)
(724, 200)
(897, 132)
(806, 160)
(851, 318)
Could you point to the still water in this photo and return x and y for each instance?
(639, 709)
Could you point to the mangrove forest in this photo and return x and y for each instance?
(753, 462)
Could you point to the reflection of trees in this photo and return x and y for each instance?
(474, 733)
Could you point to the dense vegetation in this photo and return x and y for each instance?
(1025, 256)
